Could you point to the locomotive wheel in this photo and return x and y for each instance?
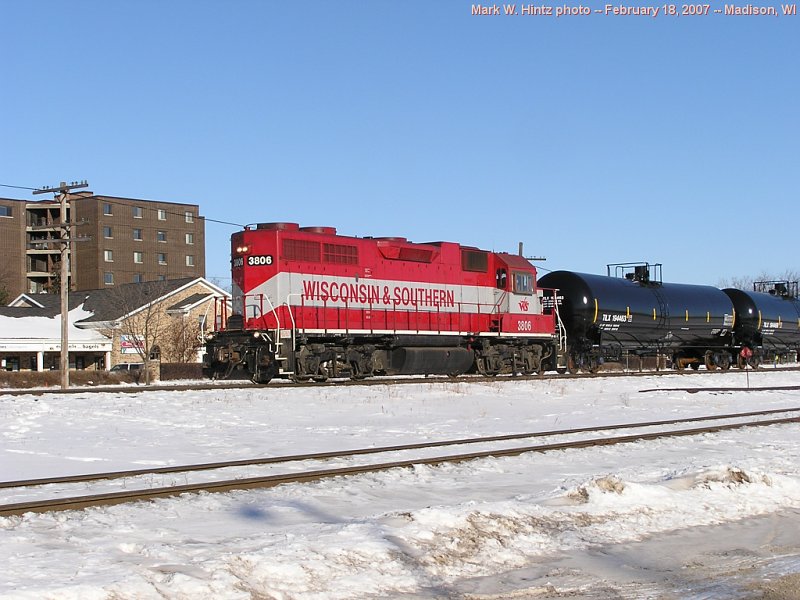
(529, 368)
(485, 367)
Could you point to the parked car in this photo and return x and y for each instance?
(133, 370)
(127, 368)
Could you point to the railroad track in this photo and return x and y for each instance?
(225, 485)
(246, 384)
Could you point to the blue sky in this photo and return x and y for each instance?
(591, 139)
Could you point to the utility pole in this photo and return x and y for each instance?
(62, 193)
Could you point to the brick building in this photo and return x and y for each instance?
(130, 241)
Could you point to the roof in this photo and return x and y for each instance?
(110, 304)
(189, 303)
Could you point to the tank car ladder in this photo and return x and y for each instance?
(561, 333)
(663, 321)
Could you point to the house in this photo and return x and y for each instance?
(166, 319)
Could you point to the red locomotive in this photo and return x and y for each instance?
(311, 304)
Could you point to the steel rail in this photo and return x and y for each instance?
(695, 390)
(136, 389)
(108, 499)
(247, 462)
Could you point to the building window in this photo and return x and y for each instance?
(108, 233)
(161, 236)
(190, 238)
(162, 277)
(137, 212)
(162, 214)
(108, 255)
(5, 211)
(137, 234)
(189, 217)
(138, 278)
(162, 258)
(138, 257)
(189, 260)
(107, 209)
(108, 278)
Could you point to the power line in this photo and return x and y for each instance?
(18, 187)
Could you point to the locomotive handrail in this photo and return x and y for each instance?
(291, 316)
(421, 317)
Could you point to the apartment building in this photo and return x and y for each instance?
(127, 240)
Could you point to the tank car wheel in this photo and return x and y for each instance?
(571, 366)
(695, 366)
(709, 360)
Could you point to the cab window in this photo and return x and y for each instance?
(501, 279)
(523, 283)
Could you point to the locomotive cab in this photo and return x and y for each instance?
(517, 300)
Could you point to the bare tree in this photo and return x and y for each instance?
(746, 282)
(6, 284)
(182, 339)
(142, 319)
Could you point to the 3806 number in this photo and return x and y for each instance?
(259, 260)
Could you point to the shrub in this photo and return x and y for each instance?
(33, 379)
(181, 371)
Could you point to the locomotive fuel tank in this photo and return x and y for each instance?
(767, 323)
(605, 316)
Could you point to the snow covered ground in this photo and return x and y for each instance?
(711, 516)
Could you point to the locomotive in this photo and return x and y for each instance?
(309, 304)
